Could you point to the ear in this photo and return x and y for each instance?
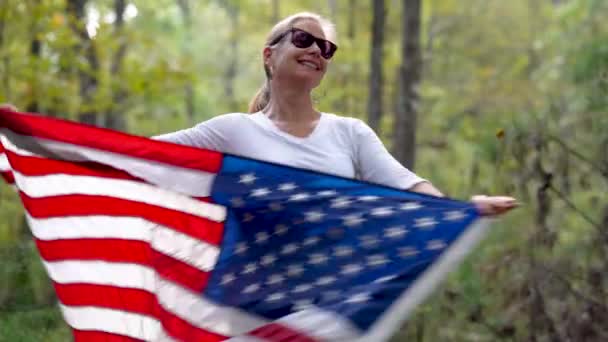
(266, 54)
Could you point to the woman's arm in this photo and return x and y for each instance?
(376, 164)
(487, 205)
(426, 188)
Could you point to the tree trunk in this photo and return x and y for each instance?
(75, 10)
(231, 70)
(351, 19)
(333, 9)
(189, 96)
(404, 141)
(276, 12)
(115, 118)
(6, 62)
(374, 104)
(35, 48)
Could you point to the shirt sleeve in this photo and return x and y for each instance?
(375, 164)
(210, 134)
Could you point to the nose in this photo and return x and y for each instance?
(315, 49)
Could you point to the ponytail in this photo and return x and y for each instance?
(261, 98)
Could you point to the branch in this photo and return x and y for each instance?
(582, 296)
(574, 208)
(596, 167)
(593, 302)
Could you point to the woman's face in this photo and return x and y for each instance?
(288, 63)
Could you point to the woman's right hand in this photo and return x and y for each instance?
(8, 106)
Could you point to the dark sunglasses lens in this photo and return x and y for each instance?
(327, 49)
(302, 39)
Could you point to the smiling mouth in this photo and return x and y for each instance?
(311, 65)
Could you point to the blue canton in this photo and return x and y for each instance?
(295, 239)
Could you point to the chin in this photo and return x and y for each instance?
(312, 81)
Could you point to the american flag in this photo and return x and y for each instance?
(148, 240)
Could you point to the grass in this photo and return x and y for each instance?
(42, 324)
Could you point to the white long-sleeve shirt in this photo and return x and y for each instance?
(338, 145)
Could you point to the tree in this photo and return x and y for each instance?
(35, 49)
(87, 74)
(115, 119)
(374, 104)
(404, 139)
(232, 9)
(189, 96)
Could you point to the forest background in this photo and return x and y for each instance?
(479, 96)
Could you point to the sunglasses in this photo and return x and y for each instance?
(302, 39)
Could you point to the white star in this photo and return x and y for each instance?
(251, 288)
(434, 245)
(294, 270)
(377, 260)
(425, 223)
(369, 241)
(343, 251)
(248, 217)
(314, 216)
(228, 278)
(368, 198)
(335, 232)
(410, 206)
(406, 252)
(299, 197)
(275, 279)
(302, 288)
(261, 237)
(275, 297)
(302, 304)
(455, 215)
(358, 298)
(275, 206)
(395, 232)
(289, 248)
(385, 279)
(287, 186)
(326, 280)
(247, 178)
(317, 258)
(382, 212)
(250, 268)
(341, 202)
(261, 192)
(237, 202)
(268, 259)
(241, 248)
(280, 229)
(313, 240)
(331, 295)
(353, 220)
(351, 269)
(327, 193)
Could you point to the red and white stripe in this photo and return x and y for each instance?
(127, 234)
(5, 168)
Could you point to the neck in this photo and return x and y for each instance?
(290, 104)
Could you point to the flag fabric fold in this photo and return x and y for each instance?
(150, 241)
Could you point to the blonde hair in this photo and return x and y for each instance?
(261, 99)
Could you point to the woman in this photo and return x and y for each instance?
(284, 127)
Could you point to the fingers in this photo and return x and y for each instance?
(8, 106)
(494, 205)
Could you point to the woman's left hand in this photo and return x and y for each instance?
(494, 205)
